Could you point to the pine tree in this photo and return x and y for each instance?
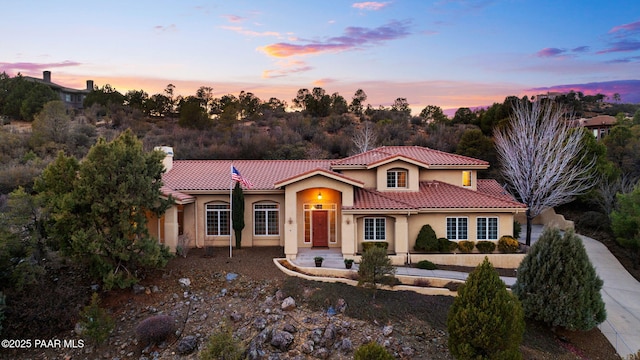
(558, 285)
(102, 216)
(485, 320)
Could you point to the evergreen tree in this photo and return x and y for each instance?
(558, 285)
(375, 268)
(237, 213)
(103, 218)
(485, 320)
(625, 222)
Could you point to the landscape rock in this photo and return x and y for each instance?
(138, 289)
(187, 345)
(184, 282)
(290, 328)
(231, 276)
(281, 340)
(387, 330)
(288, 304)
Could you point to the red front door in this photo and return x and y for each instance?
(319, 229)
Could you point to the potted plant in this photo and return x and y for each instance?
(318, 260)
(348, 263)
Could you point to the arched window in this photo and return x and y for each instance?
(266, 219)
(397, 178)
(217, 219)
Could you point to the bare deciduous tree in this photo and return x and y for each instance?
(608, 190)
(365, 138)
(540, 157)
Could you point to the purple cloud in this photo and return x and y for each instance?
(33, 67)
(629, 90)
(581, 49)
(621, 46)
(550, 52)
(353, 37)
(626, 28)
(626, 60)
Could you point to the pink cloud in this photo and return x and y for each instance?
(291, 67)
(33, 68)
(323, 82)
(353, 37)
(370, 5)
(632, 27)
(234, 18)
(550, 52)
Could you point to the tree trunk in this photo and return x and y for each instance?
(529, 220)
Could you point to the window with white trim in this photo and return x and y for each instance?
(266, 219)
(487, 228)
(397, 178)
(217, 221)
(375, 229)
(457, 228)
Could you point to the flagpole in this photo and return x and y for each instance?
(231, 213)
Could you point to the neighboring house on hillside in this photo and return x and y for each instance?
(386, 194)
(599, 125)
(73, 98)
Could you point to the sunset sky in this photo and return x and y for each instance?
(449, 53)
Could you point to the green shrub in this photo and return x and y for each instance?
(96, 323)
(486, 247)
(485, 320)
(371, 244)
(426, 265)
(372, 351)
(446, 246)
(466, 246)
(222, 345)
(426, 240)
(558, 285)
(508, 245)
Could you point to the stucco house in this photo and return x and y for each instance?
(386, 194)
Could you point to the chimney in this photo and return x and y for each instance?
(168, 157)
(46, 76)
(90, 85)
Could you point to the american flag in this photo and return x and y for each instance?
(235, 175)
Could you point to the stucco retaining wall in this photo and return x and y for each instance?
(342, 276)
(507, 261)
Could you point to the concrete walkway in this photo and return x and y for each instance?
(621, 295)
(620, 292)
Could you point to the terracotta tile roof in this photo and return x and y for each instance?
(312, 172)
(180, 197)
(435, 195)
(203, 175)
(599, 121)
(424, 155)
